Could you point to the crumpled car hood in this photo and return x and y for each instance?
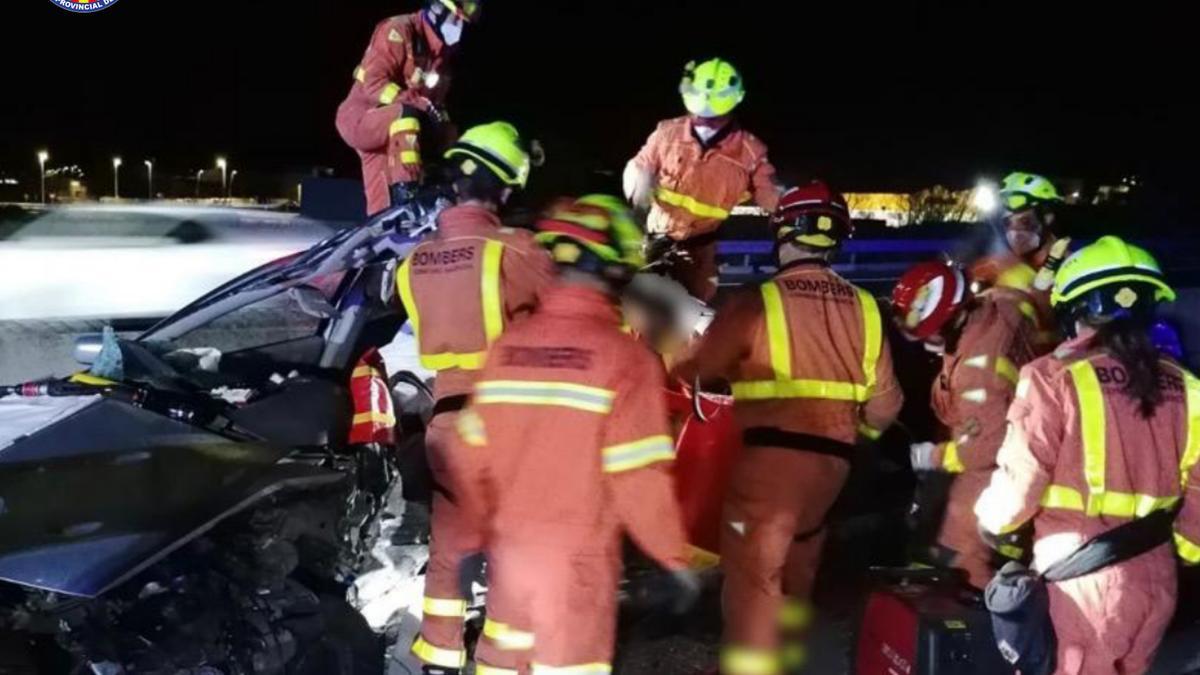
(107, 490)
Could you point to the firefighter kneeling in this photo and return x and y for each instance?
(566, 445)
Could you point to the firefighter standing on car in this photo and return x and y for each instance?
(398, 95)
(811, 373)
(1104, 430)
(984, 341)
(566, 446)
(694, 169)
(461, 288)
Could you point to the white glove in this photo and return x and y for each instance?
(639, 186)
(921, 455)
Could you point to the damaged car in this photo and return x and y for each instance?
(201, 498)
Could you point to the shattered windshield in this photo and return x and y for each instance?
(284, 317)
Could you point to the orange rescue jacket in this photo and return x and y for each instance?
(403, 63)
(567, 440)
(463, 286)
(1080, 459)
(699, 183)
(805, 353)
(972, 393)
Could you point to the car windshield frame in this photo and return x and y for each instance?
(346, 249)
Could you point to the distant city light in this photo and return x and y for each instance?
(984, 198)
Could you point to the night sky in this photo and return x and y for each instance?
(869, 98)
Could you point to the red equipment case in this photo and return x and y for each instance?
(927, 629)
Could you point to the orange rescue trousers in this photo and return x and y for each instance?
(771, 547)
(453, 540)
(568, 599)
(387, 140)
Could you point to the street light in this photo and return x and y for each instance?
(223, 165)
(42, 157)
(232, 177)
(149, 178)
(199, 175)
(116, 177)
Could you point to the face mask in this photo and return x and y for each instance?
(452, 30)
(1023, 242)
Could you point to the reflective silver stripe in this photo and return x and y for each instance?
(635, 455)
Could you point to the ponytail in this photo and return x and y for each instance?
(1129, 342)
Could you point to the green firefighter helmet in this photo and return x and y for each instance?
(596, 233)
(497, 146)
(1108, 279)
(1021, 190)
(711, 88)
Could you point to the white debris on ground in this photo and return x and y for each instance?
(390, 596)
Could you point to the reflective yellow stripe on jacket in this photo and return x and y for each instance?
(561, 394)
(779, 343)
(1099, 501)
(1191, 454)
(690, 204)
(493, 311)
(1188, 549)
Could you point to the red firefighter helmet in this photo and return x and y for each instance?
(927, 296)
(812, 215)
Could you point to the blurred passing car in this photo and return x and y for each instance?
(136, 262)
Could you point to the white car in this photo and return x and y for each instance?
(137, 262)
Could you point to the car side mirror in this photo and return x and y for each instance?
(87, 348)
(312, 302)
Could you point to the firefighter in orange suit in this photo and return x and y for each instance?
(693, 170)
(461, 288)
(807, 358)
(567, 446)
(984, 340)
(1032, 251)
(1102, 431)
(399, 91)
